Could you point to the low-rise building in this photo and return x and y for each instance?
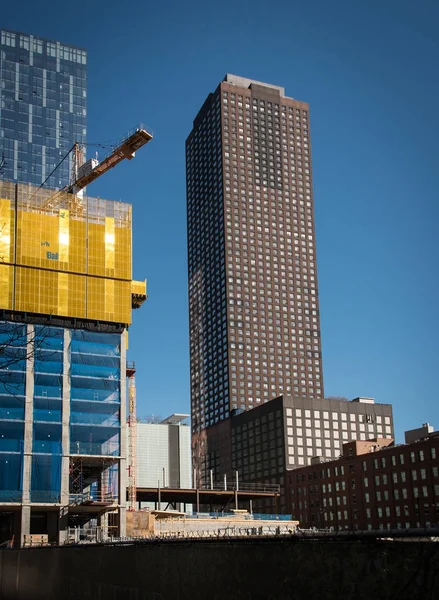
(264, 443)
(164, 453)
(375, 484)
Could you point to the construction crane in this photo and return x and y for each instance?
(83, 174)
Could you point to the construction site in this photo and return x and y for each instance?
(68, 447)
(66, 296)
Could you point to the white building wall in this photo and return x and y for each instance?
(160, 458)
(185, 458)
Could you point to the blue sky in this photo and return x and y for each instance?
(369, 71)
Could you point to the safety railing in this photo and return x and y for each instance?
(45, 496)
(95, 449)
(82, 535)
(241, 515)
(272, 488)
(89, 497)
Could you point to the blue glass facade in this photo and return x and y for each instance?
(43, 107)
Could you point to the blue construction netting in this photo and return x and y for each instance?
(13, 340)
(11, 475)
(47, 415)
(46, 475)
(95, 393)
(94, 405)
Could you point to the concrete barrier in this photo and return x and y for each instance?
(281, 569)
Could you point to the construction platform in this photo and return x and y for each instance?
(208, 497)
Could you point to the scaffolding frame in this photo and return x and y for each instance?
(132, 436)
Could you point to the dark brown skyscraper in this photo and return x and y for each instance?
(253, 294)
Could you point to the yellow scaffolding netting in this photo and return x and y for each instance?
(64, 255)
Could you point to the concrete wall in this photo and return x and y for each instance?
(244, 570)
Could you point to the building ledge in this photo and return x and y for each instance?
(138, 293)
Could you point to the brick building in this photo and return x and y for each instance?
(254, 314)
(374, 485)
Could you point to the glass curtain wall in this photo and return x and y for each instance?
(42, 107)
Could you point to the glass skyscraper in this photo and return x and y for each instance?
(43, 107)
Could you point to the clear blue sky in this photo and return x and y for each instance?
(369, 71)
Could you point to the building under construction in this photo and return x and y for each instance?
(66, 295)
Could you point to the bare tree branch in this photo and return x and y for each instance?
(337, 398)
(18, 343)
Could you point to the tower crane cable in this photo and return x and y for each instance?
(49, 176)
